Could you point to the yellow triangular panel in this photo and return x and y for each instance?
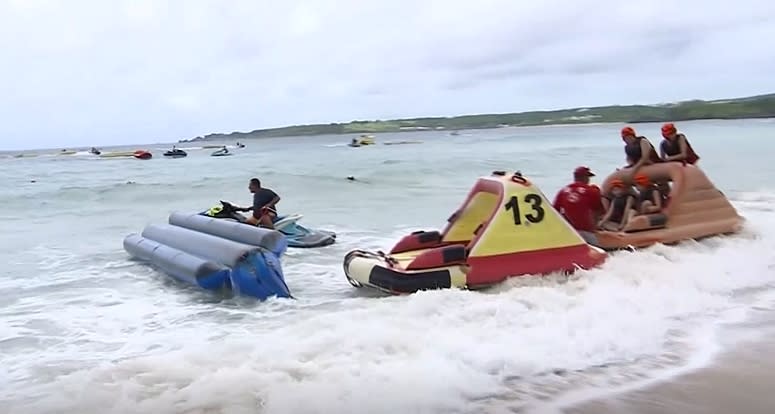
(525, 221)
(473, 214)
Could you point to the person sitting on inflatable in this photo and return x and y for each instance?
(649, 198)
(638, 150)
(264, 201)
(621, 207)
(580, 203)
(675, 146)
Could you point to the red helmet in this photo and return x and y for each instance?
(668, 129)
(642, 179)
(628, 132)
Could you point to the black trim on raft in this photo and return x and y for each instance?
(454, 253)
(428, 236)
(657, 219)
(394, 281)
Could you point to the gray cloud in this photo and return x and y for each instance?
(85, 72)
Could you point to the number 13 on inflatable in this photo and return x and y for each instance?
(506, 227)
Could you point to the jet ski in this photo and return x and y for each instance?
(175, 153)
(221, 152)
(297, 235)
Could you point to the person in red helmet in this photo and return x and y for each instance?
(581, 204)
(638, 150)
(675, 146)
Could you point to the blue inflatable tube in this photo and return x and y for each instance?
(213, 262)
(178, 264)
(271, 240)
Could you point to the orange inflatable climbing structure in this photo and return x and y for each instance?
(506, 227)
(694, 209)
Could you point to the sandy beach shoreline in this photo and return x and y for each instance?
(740, 381)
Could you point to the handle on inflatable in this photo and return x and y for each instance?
(518, 178)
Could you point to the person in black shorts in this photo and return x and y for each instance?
(264, 201)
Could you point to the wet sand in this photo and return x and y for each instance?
(740, 381)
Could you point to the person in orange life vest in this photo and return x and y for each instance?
(675, 146)
(649, 198)
(580, 203)
(621, 207)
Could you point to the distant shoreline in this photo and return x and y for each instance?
(751, 107)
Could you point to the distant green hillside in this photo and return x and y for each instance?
(761, 106)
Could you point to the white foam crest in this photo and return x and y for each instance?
(442, 351)
(177, 350)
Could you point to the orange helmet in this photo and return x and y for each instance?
(668, 129)
(642, 179)
(628, 132)
(617, 183)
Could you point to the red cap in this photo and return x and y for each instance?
(583, 172)
(628, 131)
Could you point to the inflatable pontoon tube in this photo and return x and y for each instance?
(180, 265)
(271, 240)
(254, 271)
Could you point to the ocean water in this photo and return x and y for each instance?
(84, 329)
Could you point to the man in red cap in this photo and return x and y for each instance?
(581, 204)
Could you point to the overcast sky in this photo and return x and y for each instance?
(110, 71)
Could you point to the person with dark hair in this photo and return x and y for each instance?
(263, 208)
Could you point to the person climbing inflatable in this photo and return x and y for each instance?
(675, 146)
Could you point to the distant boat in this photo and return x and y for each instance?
(175, 153)
(142, 155)
(223, 152)
(361, 141)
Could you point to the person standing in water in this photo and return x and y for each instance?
(675, 146)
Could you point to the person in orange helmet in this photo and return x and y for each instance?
(638, 150)
(675, 146)
(621, 207)
(649, 198)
